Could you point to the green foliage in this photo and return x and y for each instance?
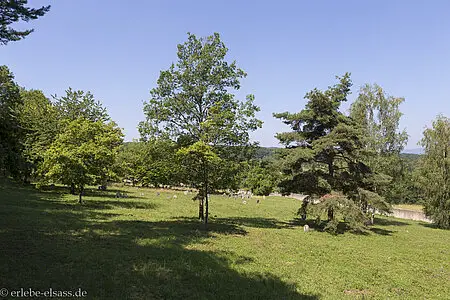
(341, 208)
(234, 164)
(193, 97)
(404, 187)
(12, 11)
(193, 105)
(150, 163)
(83, 154)
(129, 161)
(41, 121)
(263, 177)
(264, 152)
(327, 155)
(379, 115)
(80, 104)
(434, 171)
(11, 132)
(38, 117)
(200, 159)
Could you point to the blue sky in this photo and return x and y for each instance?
(115, 49)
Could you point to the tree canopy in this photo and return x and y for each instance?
(79, 104)
(11, 132)
(193, 105)
(379, 115)
(150, 163)
(326, 159)
(83, 154)
(39, 120)
(434, 171)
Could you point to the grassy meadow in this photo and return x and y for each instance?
(415, 207)
(152, 247)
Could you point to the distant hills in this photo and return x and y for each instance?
(414, 151)
(263, 152)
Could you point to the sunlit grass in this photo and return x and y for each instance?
(151, 247)
(414, 207)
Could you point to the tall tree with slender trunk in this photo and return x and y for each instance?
(379, 116)
(193, 105)
(78, 104)
(434, 171)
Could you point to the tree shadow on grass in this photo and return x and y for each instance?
(298, 222)
(252, 222)
(431, 225)
(192, 227)
(47, 243)
(88, 192)
(110, 193)
(111, 204)
(388, 222)
(381, 231)
(341, 229)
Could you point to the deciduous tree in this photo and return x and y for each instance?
(11, 133)
(193, 103)
(434, 171)
(82, 154)
(39, 120)
(153, 162)
(379, 115)
(79, 104)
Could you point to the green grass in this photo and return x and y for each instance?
(152, 247)
(414, 207)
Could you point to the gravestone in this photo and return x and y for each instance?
(306, 228)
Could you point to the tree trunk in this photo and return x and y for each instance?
(304, 209)
(331, 170)
(72, 189)
(330, 214)
(201, 215)
(206, 195)
(331, 173)
(80, 200)
(206, 212)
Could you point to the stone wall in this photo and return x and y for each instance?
(400, 213)
(295, 196)
(409, 214)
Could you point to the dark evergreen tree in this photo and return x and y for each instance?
(326, 158)
(12, 11)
